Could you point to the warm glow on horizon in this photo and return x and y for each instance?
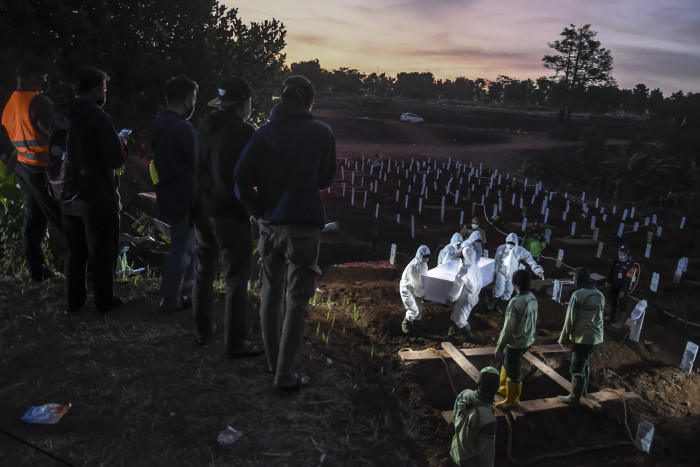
(657, 44)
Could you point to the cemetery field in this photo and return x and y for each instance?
(143, 393)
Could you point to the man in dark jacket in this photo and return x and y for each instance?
(289, 160)
(222, 225)
(91, 217)
(173, 143)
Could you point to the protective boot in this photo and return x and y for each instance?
(492, 303)
(574, 397)
(585, 381)
(452, 331)
(468, 331)
(406, 326)
(501, 305)
(512, 400)
(502, 385)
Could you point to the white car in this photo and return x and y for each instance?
(411, 118)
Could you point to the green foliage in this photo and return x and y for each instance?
(11, 251)
(141, 44)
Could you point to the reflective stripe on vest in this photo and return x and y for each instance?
(32, 144)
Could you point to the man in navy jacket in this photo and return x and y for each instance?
(288, 160)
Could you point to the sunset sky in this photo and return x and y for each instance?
(652, 42)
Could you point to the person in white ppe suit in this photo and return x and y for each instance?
(464, 294)
(475, 241)
(411, 288)
(509, 258)
(451, 251)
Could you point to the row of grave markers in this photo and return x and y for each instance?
(478, 174)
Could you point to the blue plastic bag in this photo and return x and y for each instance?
(47, 414)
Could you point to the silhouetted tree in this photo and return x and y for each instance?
(580, 62)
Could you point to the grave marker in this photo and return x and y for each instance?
(573, 228)
(621, 229)
(658, 231)
(682, 222)
(595, 233)
(560, 258)
(524, 226)
(600, 250)
(392, 254)
(647, 251)
(413, 226)
(636, 226)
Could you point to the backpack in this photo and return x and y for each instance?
(66, 168)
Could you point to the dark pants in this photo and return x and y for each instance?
(618, 306)
(39, 209)
(94, 238)
(289, 254)
(231, 240)
(580, 356)
(513, 362)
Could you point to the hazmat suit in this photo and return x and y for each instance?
(411, 287)
(464, 294)
(452, 250)
(475, 241)
(509, 258)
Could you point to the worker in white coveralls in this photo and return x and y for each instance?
(464, 294)
(411, 288)
(452, 250)
(475, 241)
(509, 258)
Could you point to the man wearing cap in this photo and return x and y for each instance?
(222, 225)
(173, 142)
(583, 327)
(474, 441)
(27, 119)
(278, 179)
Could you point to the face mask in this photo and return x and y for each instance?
(475, 226)
(511, 246)
(623, 256)
(425, 259)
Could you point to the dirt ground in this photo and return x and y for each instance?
(143, 393)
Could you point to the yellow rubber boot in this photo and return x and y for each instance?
(502, 384)
(512, 399)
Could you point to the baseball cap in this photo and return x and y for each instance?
(232, 90)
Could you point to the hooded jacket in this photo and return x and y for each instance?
(221, 137)
(412, 277)
(103, 152)
(583, 323)
(508, 261)
(289, 160)
(452, 250)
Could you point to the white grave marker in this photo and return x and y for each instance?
(392, 254)
(621, 229)
(645, 436)
(691, 351)
(654, 287)
(682, 222)
(636, 226)
(524, 224)
(573, 228)
(647, 252)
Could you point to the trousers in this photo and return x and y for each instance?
(231, 240)
(289, 271)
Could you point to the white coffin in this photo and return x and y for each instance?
(438, 282)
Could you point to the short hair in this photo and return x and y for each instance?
(86, 78)
(178, 88)
(582, 276)
(299, 89)
(521, 278)
(31, 65)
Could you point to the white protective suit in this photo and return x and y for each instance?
(475, 241)
(465, 290)
(411, 285)
(507, 262)
(452, 250)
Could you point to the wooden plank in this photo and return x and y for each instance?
(559, 379)
(432, 354)
(461, 360)
(553, 403)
